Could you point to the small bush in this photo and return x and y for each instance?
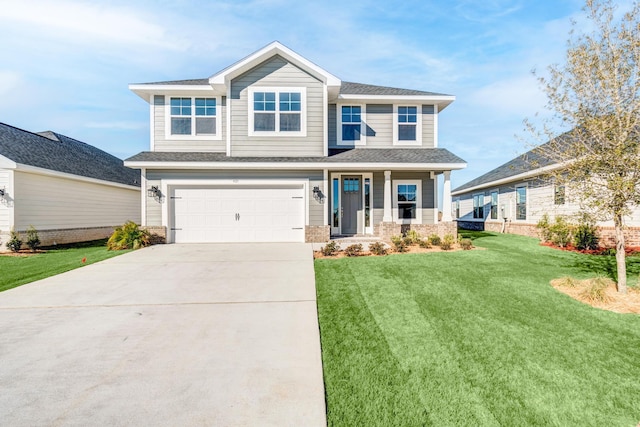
(412, 237)
(466, 244)
(596, 291)
(33, 240)
(399, 243)
(330, 248)
(560, 232)
(435, 240)
(407, 241)
(586, 237)
(544, 227)
(424, 243)
(447, 242)
(14, 244)
(378, 248)
(128, 236)
(353, 250)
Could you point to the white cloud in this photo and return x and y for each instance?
(519, 95)
(9, 81)
(117, 125)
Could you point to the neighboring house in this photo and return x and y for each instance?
(514, 196)
(68, 190)
(275, 148)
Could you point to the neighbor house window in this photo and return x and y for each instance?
(193, 116)
(276, 111)
(558, 198)
(407, 201)
(478, 206)
(494, 205)
(521, 202)
(457, 208)
(350, 125)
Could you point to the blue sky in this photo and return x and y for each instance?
(66, 64)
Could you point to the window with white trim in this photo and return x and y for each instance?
(277, 111)
(351, 125)
(478, 205)
(407, 201)
(407, 125)
(521, 202)
(494, 205)
(189, 116)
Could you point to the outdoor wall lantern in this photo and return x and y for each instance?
(154, 191)
(2, 192)
(317, 194)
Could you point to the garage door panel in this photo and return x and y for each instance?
(257, 214)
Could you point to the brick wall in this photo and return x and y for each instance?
(158, 233)
(385, 230)
(317, 233)
(64, 235)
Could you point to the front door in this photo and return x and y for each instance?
(351, 203)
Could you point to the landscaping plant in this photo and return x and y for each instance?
(413, 237)
(435, 240)
(447, 242)
(466, 244)
(378, 248)
(14, 244)
(330, 249)
(399, 243)
(353, 250)
(33, 240)
(128, 236)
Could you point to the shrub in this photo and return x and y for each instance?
(330, 248)
(435, 240)
(586, 234)
(128, 236)
(544, 227)
(560, 232)
(447, 242)
(14, 244)
(413, 237)
(407, 241)
(424, 243)
(33, 240)
(466, 244)
(596, 290)
(378, 248)
(399, 243)
(353, 250)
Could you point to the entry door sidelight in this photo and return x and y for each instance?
(351, 203)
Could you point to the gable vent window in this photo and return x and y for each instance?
(276, 112)
(193, 116)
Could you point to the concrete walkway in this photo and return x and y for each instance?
(171, 335)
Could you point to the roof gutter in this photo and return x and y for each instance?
(296, 166)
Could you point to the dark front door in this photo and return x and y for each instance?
(351, 203)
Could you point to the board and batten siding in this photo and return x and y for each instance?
(154, 177)
(49, 202)
(277, 72)
(163, 142)
(6, 203)
(428, 196)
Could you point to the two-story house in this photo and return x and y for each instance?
(275, 148)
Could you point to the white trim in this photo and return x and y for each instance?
(335, 230)
(293, 165)
(367, 230)
(497, 219)
(277, 132)
(143, 197)
(360, 216)
(49, 172)
(526, 202)
(394, 200)
(325, 185)
(473, 211)
(434, 179)
(152, 122)
(7, 163)
(193, 136)
(387, 198)
(363, 125)
(325, 118)
(228, 120)
(442, 101)
(11, 191)
(167, 185)
(418, 140)
(144, 91)
(435, 126)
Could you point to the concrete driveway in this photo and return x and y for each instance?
(171, 335)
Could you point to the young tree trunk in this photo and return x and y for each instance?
(621, 262)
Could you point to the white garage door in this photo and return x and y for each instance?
(238, 214)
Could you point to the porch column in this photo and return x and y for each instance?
(446, 197)
(387, 197)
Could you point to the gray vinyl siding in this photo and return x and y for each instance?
(277, 72)
(428, 199)
(332, 130)
(428, 126)
(154, 177)
(163, 142)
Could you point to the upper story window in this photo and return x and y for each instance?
(407, 125)
(350, 125)
(274, 111)
(192, 116)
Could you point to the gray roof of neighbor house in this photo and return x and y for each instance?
(56, 152)
(356, 155)
(347, 88)
(529, 161)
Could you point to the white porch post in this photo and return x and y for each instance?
(387, 197)
(446, 197)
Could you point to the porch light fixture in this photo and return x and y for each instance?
(154, 191)
(317, 194)
(2, 192)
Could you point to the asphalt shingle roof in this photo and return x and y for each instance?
(357, 155)
(53, 151)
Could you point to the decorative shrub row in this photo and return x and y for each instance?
(581, 231)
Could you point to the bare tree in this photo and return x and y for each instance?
(596, 93)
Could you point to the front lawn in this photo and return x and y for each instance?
(474, 338)
(18, 270)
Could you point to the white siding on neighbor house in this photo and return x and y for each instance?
(379, 125)
(164, 142)
(154, 177)
(6, 203)
(277, 72)
(49, 202)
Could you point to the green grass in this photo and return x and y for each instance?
(474, 338)
(17, 271)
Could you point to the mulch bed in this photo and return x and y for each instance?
(630, 250)
(612, 301)
(390, 251)
(23, 253)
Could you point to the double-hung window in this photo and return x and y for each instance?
(407, 201)
(494, 205)
(275, 111)
(558, 197)
(521, 203)
(192, 116)
(478, 205)
(350, 125)
(407, 125)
